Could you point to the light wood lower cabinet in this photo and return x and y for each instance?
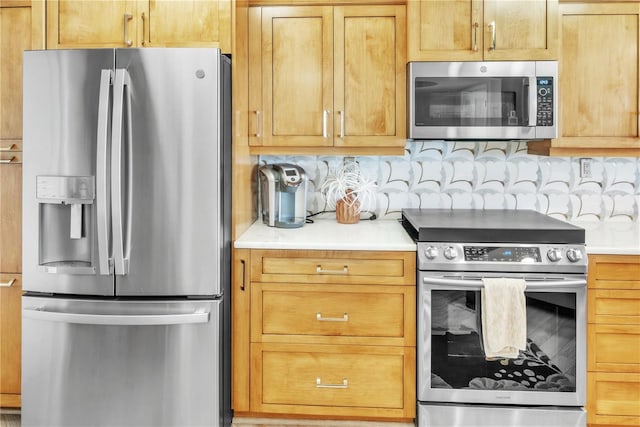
(324, 333)
(10, 339)
(613, 361)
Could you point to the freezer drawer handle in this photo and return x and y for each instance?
(345, 384)
(344, 318)
(120, 320)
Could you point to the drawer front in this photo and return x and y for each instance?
(349, 267)
(341, 313)
(617, 307)
(613, 399)
(338, 380)
(614, 348)
(614, 272)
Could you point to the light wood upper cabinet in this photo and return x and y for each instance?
(152, 23)
(15, 36)
(477, 30)
(323, 76)
(599, 88)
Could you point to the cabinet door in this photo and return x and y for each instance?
(10, 212)
(476, 30)
(15, 36)
(445, 30)
(523, 31)
(599, 68)
(291, 90)
(10, 331)
(369, 77)
(90, 24)
(187, 23)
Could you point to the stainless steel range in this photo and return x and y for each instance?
(458, 253)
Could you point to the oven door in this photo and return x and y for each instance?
(451, 363)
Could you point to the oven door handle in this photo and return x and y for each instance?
(531, 285)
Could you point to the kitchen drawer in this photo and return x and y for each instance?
(614, 272)
(347, 267)
(614, 348)
(342, 314)
(7, 157)
(613, 399)
(618, 307)
(366, 381)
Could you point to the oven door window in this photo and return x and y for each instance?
(472, 101)
(457, 356)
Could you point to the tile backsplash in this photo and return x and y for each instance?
(487, 175)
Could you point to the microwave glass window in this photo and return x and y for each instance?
(471, 101)
(457, 356)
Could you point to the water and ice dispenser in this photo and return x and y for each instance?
(65, 205)
(284, 195)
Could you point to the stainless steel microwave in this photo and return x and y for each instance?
(482, 100)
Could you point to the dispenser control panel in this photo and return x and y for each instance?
(65, 189)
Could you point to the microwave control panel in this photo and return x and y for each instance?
(545, 101)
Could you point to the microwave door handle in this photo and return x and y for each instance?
(533, 101)
(530, 285)
(102, 190)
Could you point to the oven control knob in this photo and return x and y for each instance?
(450, 252)
(431, 252)
(554, 255)
(574, 255)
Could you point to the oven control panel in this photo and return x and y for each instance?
(501, 257)
(527, 254)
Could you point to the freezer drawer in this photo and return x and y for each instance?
(121, 363)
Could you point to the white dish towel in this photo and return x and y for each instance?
(504, 317)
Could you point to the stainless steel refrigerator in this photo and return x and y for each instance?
(126, 238)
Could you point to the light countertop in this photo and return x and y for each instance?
(615, 238)
(327, 234)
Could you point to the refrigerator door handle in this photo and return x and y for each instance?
(121, 230)
(120, 320)
(105, 263)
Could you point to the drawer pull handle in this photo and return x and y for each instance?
(7, 284)
(344, 318)
(320, 270)
(8, 147)
(7, 160)
(319, 384)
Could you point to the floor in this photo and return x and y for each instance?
(10, 418)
